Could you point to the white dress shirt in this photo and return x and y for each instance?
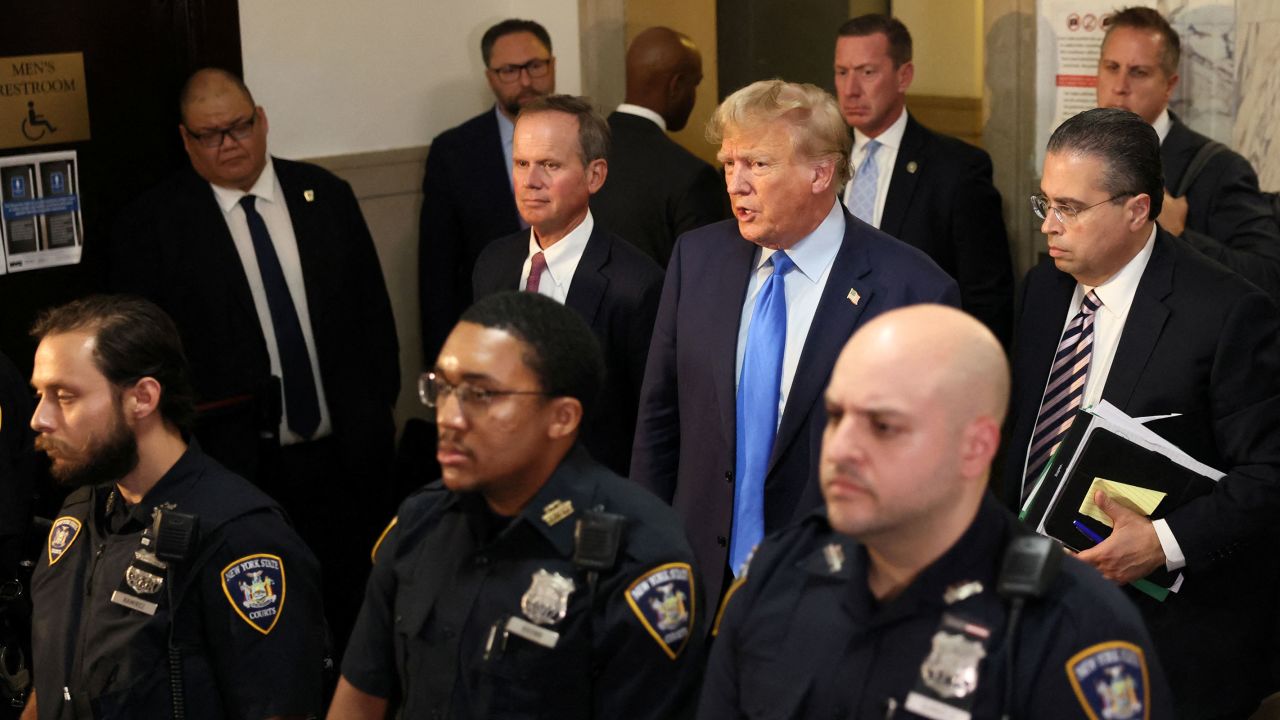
(271, 205)
(507, 132)
(813, 256)
(644, 112)
(1162, 124)
(562, 260)
(890, 140)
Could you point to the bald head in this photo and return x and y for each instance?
(941, 350)
(664, 68)
(210, 83)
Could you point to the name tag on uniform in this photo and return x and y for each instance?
(533, 633)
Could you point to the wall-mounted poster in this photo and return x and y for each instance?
(40, 221)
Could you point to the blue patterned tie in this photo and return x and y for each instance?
(862, 199)
(757, 417)
(300, 401)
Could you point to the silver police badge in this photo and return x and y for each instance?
(143, 582)
(547, 599)
(951, 670)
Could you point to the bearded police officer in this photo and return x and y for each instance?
(893, 602)
(532, 581)
(169, 587)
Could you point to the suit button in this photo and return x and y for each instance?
(728, 476)
(722, 541)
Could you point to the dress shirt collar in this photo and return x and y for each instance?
(562, 257)
(643, 112)
(890, 138)
(1117, 292)
(265, 188)
(1162, 124)
(815, 251)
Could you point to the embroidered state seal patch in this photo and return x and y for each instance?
(65, 530)
(663, 599)
(255, 587)
(1110, 680)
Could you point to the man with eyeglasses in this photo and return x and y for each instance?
(1125, 312)
(269, 272)
(467, 195)
(1219, 209)
(529, 581)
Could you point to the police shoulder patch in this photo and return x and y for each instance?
(65, 530)
(1110, 680)
(663, 599)
(255, 587)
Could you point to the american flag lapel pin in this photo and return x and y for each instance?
(853, 296)
(309, 195)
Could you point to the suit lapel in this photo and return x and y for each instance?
(214, 243)
(306, 233)
(1147, 317)
(587, 289)
(832, 325)
(902, 185)
(722, 336)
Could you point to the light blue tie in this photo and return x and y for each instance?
(862, 200)
(758, 410)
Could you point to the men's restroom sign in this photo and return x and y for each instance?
(43, 100)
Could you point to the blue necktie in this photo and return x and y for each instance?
(300, 401)
(757, 417)
(862, 199)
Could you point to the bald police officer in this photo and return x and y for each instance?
(531, 581)
(891, 601)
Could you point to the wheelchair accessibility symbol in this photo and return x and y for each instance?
(34, 121)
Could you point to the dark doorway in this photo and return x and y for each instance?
(136, 55)
(762, 39)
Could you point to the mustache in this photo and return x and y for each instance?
(44, 443)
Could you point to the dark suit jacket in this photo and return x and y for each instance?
(941, 199)
(685, 435)
(173, 247)
(615, 288)
(656, 190)
(1200, 341)
(1227, 217)
(466, 202)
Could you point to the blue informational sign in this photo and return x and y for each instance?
(18, 186)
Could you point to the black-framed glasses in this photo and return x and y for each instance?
(1065, 215)
(433, 389)
(536, 69)
(239, 130)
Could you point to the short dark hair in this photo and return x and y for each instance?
(893, 29)
(593, 131)
(563, 352)
(1145, 18)
(510, 27)
(134, 339)
(197, 78)
(1126, 143)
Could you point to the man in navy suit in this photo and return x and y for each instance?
(924, 188)
(1162, 331)
(731, 411)
(559, 162)
(467, 197)
(1223, 214)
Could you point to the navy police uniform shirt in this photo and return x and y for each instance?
(472, 615)
(243, 606)
(803, 637)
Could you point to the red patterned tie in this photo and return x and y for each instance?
(536, 266)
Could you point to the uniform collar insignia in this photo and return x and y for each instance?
(556, 510)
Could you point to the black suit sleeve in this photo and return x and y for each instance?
(1244, 399)
(443, 292)
(655, 455)
(1229, 220)
(372, 305)
(984, 265)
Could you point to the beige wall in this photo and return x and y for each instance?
(697, 19)
(947, 37)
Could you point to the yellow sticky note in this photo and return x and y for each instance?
(1140, 499)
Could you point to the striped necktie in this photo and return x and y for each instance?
(1065, 391)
